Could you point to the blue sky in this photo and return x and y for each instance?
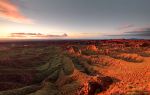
(76, 19)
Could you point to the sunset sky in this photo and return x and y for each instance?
(74, 19)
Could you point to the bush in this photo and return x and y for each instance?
(138, 92)
(68, 66)
(129, 57)
(89, 52)
(145, 54)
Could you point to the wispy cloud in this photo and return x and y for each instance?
(140, 32)
(35, 35)
(11, 12)
(90, 33)
(126, 26)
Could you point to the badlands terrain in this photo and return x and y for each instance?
(75, 67)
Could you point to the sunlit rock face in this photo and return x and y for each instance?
(89, 50)
(74, 50)
(70, 50)
(92, 48)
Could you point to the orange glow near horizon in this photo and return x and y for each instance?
(7, 29)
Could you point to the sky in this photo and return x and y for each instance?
(74, 19)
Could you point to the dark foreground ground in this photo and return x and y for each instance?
(75, 67)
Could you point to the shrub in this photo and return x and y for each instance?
(137, 92)
(129, 57)
(88, 52)
(145, 53)
(68, 66)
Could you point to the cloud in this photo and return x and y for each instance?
(90, 33)
(127, 26)
(11, 12)
(36, 35)
(138, 33)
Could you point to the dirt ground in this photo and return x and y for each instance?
(132, 76)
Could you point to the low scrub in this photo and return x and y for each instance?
(138, 92)
(129, 57)
(145, 53)
(89, 52)
(68, 66)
